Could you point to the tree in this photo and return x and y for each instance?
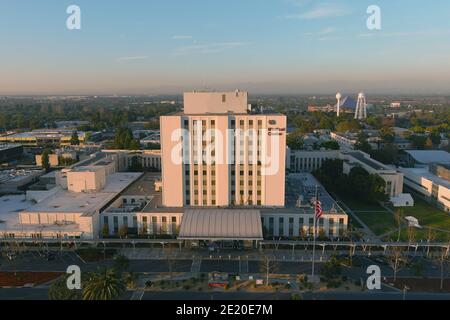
(331, 269)
(331, 173)
(440, 259)
(58, 290)
(124, 140)
(75, 140)
(121, 263)
(369, 187)
(396, 260)
(45, 161)
(348, 125)
(103, 285)
(387, 155)
(123, 231)
(330, 145)
(431, 236)
(130, 279)
(387, 134)
(418, 142)
(398, 215)
(105, 231)
(429, 144)
(134, 145)
(269, 267)
(435, 137)
(363, 144)
(411, 234)
(295, 140)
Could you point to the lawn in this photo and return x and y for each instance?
(357, 205)
(428, 215)
(378, 219)
(379, 222)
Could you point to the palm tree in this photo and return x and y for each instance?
(103, 285)
(59, 291)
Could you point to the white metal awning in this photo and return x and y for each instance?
(221, 225)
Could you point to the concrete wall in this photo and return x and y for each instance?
(86, 180)
(215, 102)
(53, 159)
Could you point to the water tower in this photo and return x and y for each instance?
(338, 98)
(361, 107)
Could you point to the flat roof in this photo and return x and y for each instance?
(367, 161)
(221, 225)
(14, 175)
(268, 113)
(43, 134)
(4, 146)
(10, 206)
(429, 156)
(144, 186)
(87, 204)
(305, 185)
(425, 173)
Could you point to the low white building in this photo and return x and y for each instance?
(71, 210)
(310, 161)
(430, 186)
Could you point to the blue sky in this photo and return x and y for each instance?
(264, 46)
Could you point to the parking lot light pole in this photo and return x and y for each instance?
(405, 289)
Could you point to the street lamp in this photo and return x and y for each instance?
(405, 289)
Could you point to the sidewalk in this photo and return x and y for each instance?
(299, 255)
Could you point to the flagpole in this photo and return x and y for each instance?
(314, 236)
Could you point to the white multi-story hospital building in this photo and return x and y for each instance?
(223, 179)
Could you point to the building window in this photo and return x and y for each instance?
(281, 227)
(155, 225)
(271, 226)
(116, 224)
(144, 225)
(291, 227)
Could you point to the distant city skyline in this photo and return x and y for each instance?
(264, 47)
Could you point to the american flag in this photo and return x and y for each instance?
(319, 211)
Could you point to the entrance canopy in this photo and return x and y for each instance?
(221, 225)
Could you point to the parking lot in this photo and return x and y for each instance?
(38, 261)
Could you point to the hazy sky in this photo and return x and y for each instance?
(264, 46)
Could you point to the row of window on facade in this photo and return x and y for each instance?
(148, 162)
(305, 226)
(306, 164)
(149, 225)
